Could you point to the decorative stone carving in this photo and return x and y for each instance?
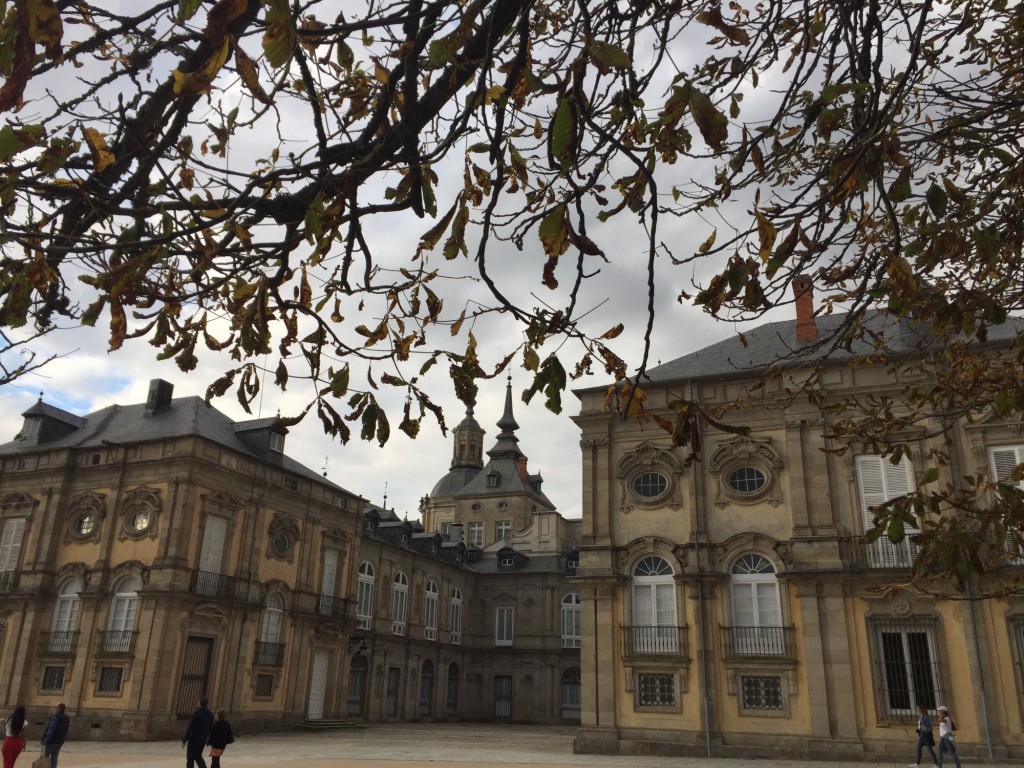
(746, 471)
(84, 517)
(649, 460)
(140, 514)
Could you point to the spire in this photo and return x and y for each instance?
(508, 424)
(507, 442)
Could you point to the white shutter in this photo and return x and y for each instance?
(329, 574)
(1005, 460)
(880, 480)
(211, 556)
(643, 604)
(769, 612)
(10, 544)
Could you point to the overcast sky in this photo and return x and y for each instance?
(87, 378)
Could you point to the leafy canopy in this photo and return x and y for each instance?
(216, 175)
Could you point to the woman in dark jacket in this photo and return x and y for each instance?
(220, 737)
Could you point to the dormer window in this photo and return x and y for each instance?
(369, 526)
(276, 442)
(493, 478)
(507, 561)
(30, 428)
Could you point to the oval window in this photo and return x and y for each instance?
(650, 485)
(747, 480)
(140, 520)
(85, 524)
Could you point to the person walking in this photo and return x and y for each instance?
(925, 737)
(220, 736)
(14, 736)
(197, 734)
(947, 730)
(55, 733)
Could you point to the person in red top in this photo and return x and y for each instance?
(14, 736)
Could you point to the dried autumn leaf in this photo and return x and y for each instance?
(102, 157)
(198, 82)
(247, 71)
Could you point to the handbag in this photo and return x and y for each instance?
(42, 761)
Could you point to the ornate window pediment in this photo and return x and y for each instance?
(747, 472)
(140, 513)
(84, 517)
(17, 505)
(284, 534)
(649, 477)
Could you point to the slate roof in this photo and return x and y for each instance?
(128, 424)
(775, 344)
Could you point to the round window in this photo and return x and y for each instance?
(282, 544)
(85, 524)
(747, 480)
(650, 485)
(140, 520)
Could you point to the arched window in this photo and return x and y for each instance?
(756, 607)
(399, 598)
(430, 611)
(364, 595)
(65, 617)
(455, 616)
(426, 688)
(121, 623)
(269, 650)
(451, 697)
(571, 621)
(655, 627)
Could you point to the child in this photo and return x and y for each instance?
(220, 737)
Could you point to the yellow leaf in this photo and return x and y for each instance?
(250, 77)
(199, 81)
(102, 157)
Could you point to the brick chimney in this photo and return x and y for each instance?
(523, 474)
(803, 291)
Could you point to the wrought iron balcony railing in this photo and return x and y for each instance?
(758, 642)
(213, 585)
(119, 643)
(269, 654)
(59, 643)
(668, 640)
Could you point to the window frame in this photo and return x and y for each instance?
(430, 598)
(366, 580)
(399, 603)
(504, 625)
(475, 534)
(455, 616)
(570, 616)
(886, 687)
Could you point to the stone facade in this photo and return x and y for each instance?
(156, 552)
(730, 607)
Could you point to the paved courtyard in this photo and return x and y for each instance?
(401, 746)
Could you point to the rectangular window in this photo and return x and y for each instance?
(761, 693)
(10, 544)
(503, 626)
(502, 528)
(326, 605)
(391, 700)
(571, 621)
(455, 621)
(340, 501)
(906, 667)
(656, 690)
(879, 481)
(290, 483)
(476, 535)
(110, 679)
(1004, 460)
(53, 678)
(364, 602)
(263, 686)
(430, 616)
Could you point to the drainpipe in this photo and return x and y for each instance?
(981, 674)
(954, 470)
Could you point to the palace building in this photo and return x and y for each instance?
(731, 606)
(156, 552)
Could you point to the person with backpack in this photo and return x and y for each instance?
(220, 737)
(947, 731)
